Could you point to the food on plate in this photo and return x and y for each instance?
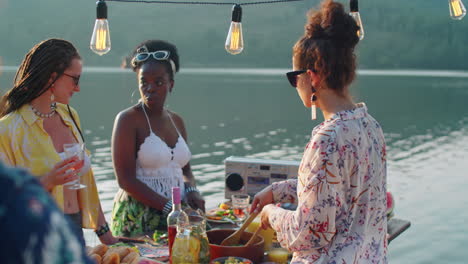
(231, 260)
(222, 212)
(126, 245)
(111, 258)
(224, 206)
(100, 249)
(119, 253)
(130, 258)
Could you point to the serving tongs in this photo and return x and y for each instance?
(251, 240)
(234, 238)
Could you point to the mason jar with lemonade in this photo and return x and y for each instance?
(191, 242)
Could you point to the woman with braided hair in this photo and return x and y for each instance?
(340, 190)
(35, 123)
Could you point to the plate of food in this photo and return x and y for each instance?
(231, 260)
(222, 214)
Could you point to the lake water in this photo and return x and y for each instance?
(255, 113)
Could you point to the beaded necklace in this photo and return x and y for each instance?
(42, 115)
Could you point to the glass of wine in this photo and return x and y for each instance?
(240, 204)
(75, 149)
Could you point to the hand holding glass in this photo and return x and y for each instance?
(75, 149)
(240, 204)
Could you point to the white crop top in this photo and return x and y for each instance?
(160, 166)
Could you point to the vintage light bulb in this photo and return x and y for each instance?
(457, 9)
(353, 4)
(100, 40)
(234, 41)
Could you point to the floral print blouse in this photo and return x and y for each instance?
(340, 192)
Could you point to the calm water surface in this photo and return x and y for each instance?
(255, 113)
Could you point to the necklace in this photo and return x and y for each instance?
(42, 115)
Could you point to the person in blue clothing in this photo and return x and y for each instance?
(34, 230)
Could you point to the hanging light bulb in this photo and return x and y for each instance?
(234, 41)
(353, 4)
(100, 40)
(457, 9)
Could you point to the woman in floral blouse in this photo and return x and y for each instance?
(340, 191)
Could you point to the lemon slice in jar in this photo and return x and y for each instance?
(194, 249)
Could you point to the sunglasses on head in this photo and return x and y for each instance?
(157, 55)
(292, 76)
(76, 79)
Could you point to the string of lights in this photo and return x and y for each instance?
(101, 43)
(201, 3)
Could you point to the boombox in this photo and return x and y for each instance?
(250, 176)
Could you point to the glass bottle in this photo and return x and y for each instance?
(175, 218)
(183, 246)
(191, 243)
(199, 239)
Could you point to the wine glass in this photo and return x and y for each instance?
(240, 203)
(75, 149)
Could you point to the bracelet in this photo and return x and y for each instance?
(167, 208)
(102, 230)
(191, 189)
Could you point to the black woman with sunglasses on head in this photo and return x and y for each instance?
(149, 147)
(340, 190)
(36, 123)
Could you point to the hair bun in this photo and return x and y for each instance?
(333, 23)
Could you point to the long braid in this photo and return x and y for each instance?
(33, 75)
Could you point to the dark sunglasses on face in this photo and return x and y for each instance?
(76, 79)
(157, 55)
(292, 76)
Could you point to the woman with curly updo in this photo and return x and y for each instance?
(340, 191)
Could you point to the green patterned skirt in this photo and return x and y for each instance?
(131, 218)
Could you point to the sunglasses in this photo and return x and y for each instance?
(76, 80)
(157, 55)
(292, 76)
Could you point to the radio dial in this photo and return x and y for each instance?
(234, 182)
